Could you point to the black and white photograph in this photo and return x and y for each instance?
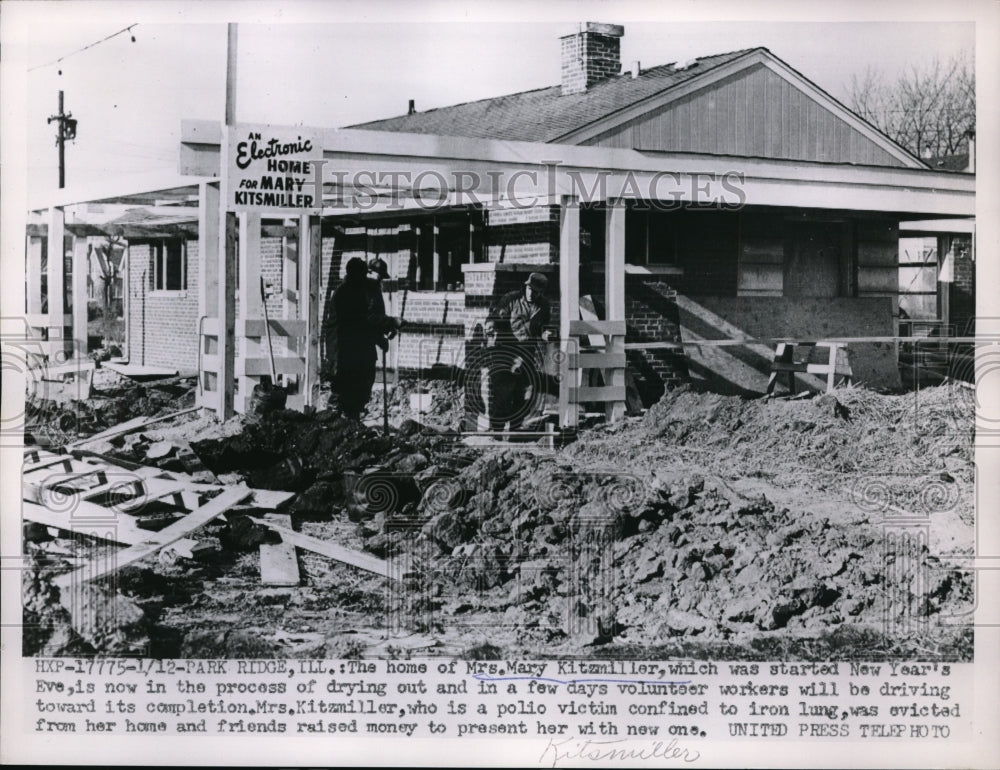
(594, 386)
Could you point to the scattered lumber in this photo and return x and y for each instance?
(103, 567)
(331, 550)
(128, 426)
(279, 565)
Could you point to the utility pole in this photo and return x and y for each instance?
(66, 131)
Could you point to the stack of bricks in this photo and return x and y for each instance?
(523, 235)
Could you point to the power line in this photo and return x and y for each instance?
(127, 29)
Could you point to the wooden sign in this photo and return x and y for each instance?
(274, 169)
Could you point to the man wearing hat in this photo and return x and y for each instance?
(361, 325)
(517, 324)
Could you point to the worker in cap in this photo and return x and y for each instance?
(516, 327)
(379, 268)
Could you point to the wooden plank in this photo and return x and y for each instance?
(588, 312)
(70, 479)
(254, 327)
(129, 426)
(279, 565)
(602, 394)
(331, 550)
(597, 360)
(257, 366)
(75, 367)
(579, 328)
(260, 498)
(154, 492)
(119, 529)
(157, 540)
(311, 260)
(48, 463)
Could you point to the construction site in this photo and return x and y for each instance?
(748, 434)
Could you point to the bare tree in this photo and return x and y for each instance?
(109, 257)
(928, 109)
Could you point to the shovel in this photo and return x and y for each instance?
(385, 396)
(276, 394)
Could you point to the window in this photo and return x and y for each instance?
(169, 264)
(918, 278)
(441, 248)
(649, 238)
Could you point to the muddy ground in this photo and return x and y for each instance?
(711, 526)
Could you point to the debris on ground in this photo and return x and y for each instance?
(712, 522)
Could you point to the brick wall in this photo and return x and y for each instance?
(526, 236)
(271, 265)
(163, 326)
(587, 58)
(651, 315)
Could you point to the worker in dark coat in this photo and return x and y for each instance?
(515, 331)
(361, 326)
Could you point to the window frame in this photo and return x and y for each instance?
(159, 253)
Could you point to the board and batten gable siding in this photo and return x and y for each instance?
(752, 113)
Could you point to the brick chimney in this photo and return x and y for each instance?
(590, 55)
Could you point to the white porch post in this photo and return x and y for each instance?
(56, 272)
(311, 265)
(208, 297)
(569, 303)
(80, 270)
(251, 306)
(614, 295)
(33, 278)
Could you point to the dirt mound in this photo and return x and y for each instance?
(444, 397)
(644, 557)
(852, 430)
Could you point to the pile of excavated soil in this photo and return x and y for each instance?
(316, 454)
(445, 403)
(641, 558)
(913, 452)
(711, 523)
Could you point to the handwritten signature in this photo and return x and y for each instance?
(572, 748)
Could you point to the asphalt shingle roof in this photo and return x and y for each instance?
(544, 115)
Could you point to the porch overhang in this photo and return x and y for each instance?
(376, 171)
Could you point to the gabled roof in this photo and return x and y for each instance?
(544, 115)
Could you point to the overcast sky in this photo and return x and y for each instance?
(342, 63)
